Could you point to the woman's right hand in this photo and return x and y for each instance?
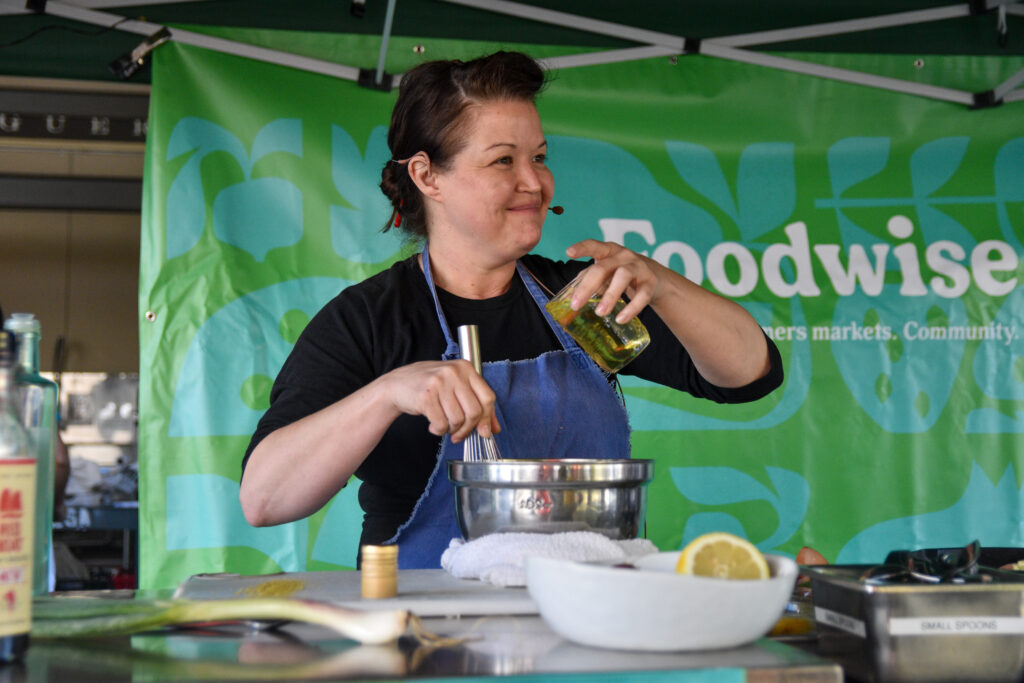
(453, 397)
(334, 441)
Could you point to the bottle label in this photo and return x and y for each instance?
(17, 513)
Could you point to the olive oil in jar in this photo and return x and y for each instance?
(610, 344)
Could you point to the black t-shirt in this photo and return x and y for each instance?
(389, 320)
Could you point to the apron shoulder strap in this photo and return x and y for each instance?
(533, 285)
(451, 351)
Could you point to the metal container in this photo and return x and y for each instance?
(551, 496)
(920, 632)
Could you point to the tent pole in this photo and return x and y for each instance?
(87, 16)
(712, 49)
(849, 26)
(94, 4)
(1000, 91)
(740, 40)
(726, 47)
(628, 54)
(575, 21)
(655, 44)
(385, 37)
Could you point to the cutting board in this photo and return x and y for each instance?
(425, 592)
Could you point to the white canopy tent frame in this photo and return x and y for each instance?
(78, 12)
(728, 47)
(653, 43)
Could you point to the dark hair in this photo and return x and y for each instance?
(428, 117)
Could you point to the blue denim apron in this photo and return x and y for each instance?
(558, 405)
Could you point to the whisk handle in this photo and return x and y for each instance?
(469, 345)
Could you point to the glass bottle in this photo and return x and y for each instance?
(17, 489)
(612, 345)
(37, 402)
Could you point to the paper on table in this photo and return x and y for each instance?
(425, 592)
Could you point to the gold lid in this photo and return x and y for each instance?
(380, 552)
(380, 571)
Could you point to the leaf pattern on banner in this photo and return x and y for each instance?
(852, 161)
(987, 512)
(193, 500)
(903, 392)
(991, 421)
(213, 394)
(648, 415)
(595, 197)
(727, 485)
(597, 181)
(932, 165)
(355, 233)
(186, 203)
(765, 183)
(256, 215)
(699, 167)
(997, 365)
(1009, 188)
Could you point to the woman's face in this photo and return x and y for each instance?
(494, 197)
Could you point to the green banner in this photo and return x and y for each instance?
(875, 236)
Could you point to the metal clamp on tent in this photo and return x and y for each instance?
(374, 80)
(985, 100)
(125, 66)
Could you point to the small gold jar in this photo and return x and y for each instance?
(380, 571)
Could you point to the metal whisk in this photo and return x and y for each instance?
(475, 447)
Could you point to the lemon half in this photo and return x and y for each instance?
(722, 555)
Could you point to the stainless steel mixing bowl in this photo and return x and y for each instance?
(550, 496)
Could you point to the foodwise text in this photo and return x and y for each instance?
(989, 266)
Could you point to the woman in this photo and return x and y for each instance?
(373, 387)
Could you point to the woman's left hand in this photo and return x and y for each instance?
(724, 341)
(616, 271)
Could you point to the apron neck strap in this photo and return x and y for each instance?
(451, 351)
(533, 285)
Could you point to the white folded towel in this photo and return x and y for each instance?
(500, 558)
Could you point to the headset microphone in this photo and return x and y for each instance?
(557, 210)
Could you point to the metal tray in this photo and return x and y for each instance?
(920, 632)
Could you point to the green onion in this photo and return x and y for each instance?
(90, 617)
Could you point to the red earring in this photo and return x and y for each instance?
(398, 215)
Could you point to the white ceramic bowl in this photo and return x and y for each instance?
(652, 607)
